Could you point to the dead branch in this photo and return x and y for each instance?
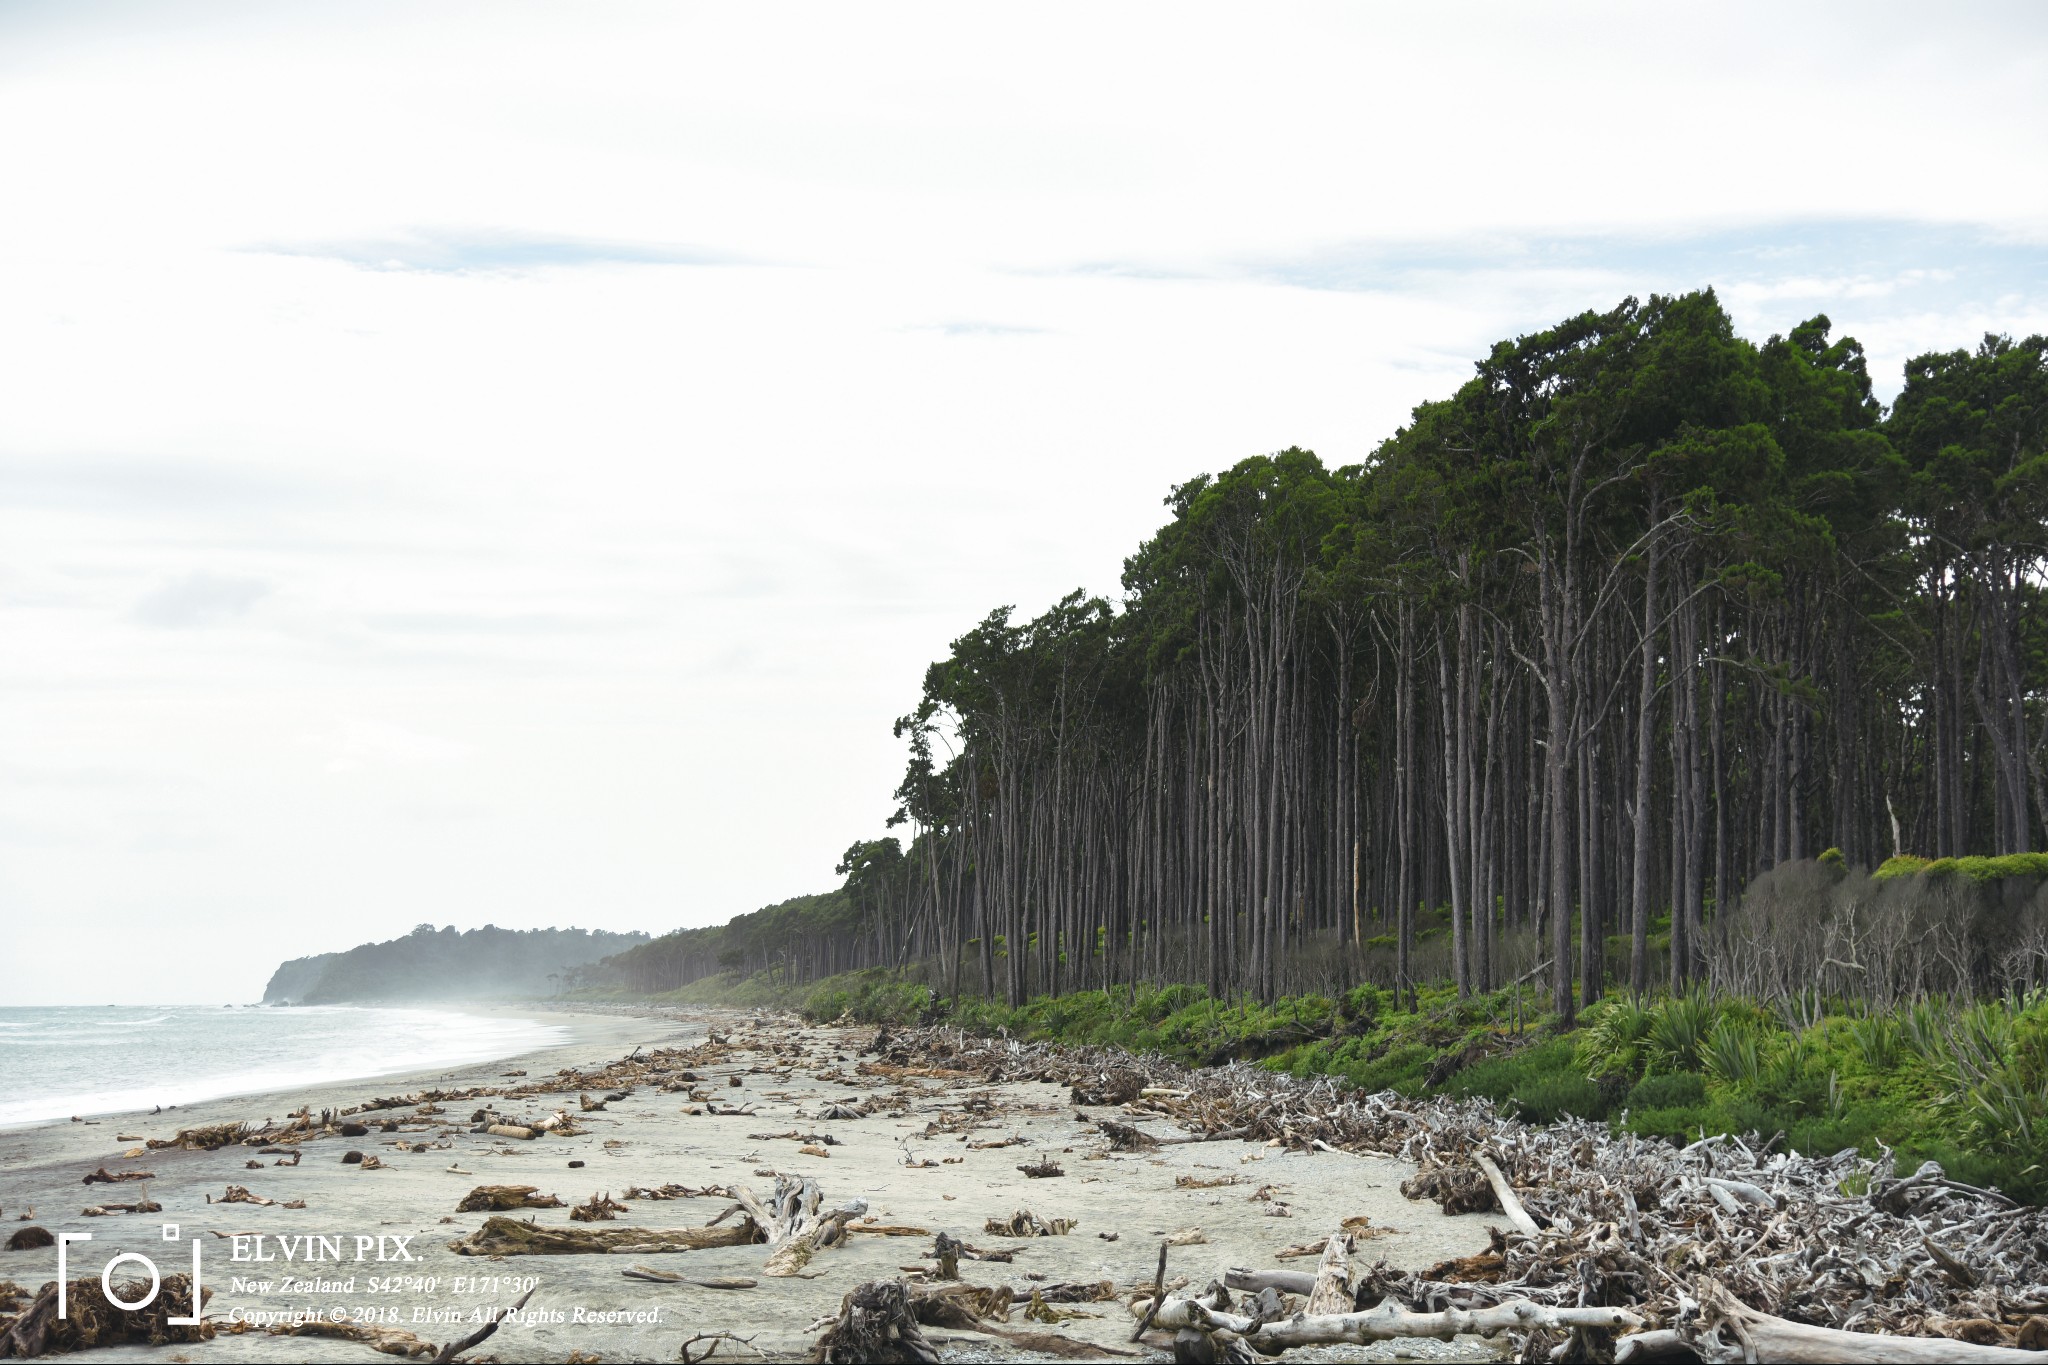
(456, 1348)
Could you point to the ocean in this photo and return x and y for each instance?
(86, 1060)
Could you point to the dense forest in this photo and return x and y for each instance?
(1643, 615)
(431, 964)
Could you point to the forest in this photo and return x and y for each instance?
(1651, 659)
(446, 964)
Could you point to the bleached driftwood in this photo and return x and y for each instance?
(502, 1236)
(1843, 1241)
(1726, 1330)
(1387, 1320)
(794, 1223)
(1331, 1292)
(1285, 1281)
(1510, 1203)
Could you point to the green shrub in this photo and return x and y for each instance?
(1674, 1090)
(1993, 1062)
(1173, 999)
(1731, 1053)
(1548, 1098)
(1795, 1076)
(1612, 1042)
(1880, 1041)
(1682, 1124)
(1678, 1030)
(1400, 1069)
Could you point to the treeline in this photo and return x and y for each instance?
(801, 939)
(1641, 612)
(431, 964)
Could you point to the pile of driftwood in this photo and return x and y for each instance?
(1725, 1249)
(89, 1320)
(793, 1223)
(306, 1124)
(882, 1322)
(669, 1069)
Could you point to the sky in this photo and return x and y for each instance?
(511, 463)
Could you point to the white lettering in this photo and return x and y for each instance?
(198, 1299)
(64, 1280)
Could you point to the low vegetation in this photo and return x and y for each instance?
(1965, 1084)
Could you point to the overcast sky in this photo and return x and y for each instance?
(506, 463)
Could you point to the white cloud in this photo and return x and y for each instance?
(360, 742)
(199, 599)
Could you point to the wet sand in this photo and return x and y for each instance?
(786, 1073)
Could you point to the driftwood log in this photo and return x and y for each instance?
(1728, 1330)
(794, 1224)
(1331, 1291)
(1387, 1321)
(875, 1324)
(492, 1198)
(1510, 1202)
(502, 1236)
(390, 1341)
(883, 1320)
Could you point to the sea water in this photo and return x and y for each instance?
(81, 1060)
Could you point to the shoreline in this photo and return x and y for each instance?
(584, 1029)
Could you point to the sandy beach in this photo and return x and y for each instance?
(932, 1153)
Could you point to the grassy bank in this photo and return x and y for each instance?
(1965, 1085)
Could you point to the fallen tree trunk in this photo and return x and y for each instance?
(976, 1308)
(1388, 1320)
(488, 1198)
(794, 1225)
(641, 1272)
(1286, 1281)
(1661, 1347)
(1729, 1330)
(1331, 1292)
(390, 1341)
(502, 1236)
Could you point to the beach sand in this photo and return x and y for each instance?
(785, 1073)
